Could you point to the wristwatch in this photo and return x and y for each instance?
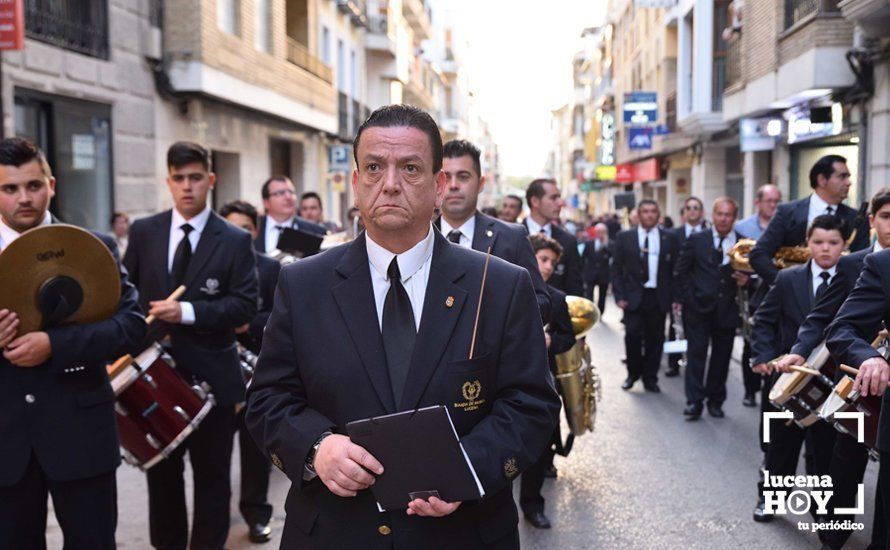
(310, 460)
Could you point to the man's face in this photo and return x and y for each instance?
(394, 183)
(282, 201)
(601, 231)
(881, 224)
(510, 210)
(25, 192)
(766, 205)
(462, 188)
(549, 205)
(693, 212)
(121, 226)
(648, 214)
(243, 221)
(838, 185)
(723, 217)
(547, 260)
(189, 186)
(310, 209)
(826, 247)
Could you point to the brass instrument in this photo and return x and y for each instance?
(334, 239)
(576, 374)
(786, 256)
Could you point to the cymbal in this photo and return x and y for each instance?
(56, 275)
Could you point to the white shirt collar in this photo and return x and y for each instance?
(877, 247)
(642, 232)
(693, 228)
(8, 234)
(409, 261)
(466, 230)
(533, 226)
(818, 206)
(816, 271)
(271, 224)
(198, 222)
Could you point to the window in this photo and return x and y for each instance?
(326, 46)
(227, 15)
(262, 36)
(77, 25)
(353, 75)
(341, 66)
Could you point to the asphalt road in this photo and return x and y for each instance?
(644, 479)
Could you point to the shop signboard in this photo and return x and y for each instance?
(639, 138)
(624, 173)
(12, 24)
(640, 108)
(605, 173)
(801, 128)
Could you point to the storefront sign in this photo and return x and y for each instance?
(12, 24)
(648, 170)
(607, 140)
(758, 134)
(801, 128)
(338, 158)
(640, 108)
(639, 138)
(605, 173)
(624, 173)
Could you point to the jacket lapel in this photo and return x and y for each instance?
(485, 233)
(801, 213)
(437, 321)
(803, 291)
(160, 250)
(210, 237)
(355, 298)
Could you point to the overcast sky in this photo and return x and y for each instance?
(520, 64)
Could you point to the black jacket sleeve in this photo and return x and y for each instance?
(761, 256)
(859, 318)
(765, 334)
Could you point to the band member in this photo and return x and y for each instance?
(560, 338)
(706, 286)
(830, 180)
(393, 321)
(280, 204)
(58, 433)
(781, 313)
(511, 209)
(596, 259)
(544, 203)
(190, 245)
(255, 466)
(462, 224)
(311, 209)
(849, 459)
(642, 283)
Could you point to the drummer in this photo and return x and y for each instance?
(781, 313)
(58, 433)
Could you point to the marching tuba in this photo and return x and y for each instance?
(576, 374)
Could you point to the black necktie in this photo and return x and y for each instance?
(823, 286)
(719, 250)
(399, 331)
(182, 256)
(645, 257)
(454, 236)
(829, 210)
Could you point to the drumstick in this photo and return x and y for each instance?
(479, 305)
(804, 369)
(855, 372)
(175, 296)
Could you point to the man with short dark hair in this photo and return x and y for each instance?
(280, 206)
(311, 209)
(511, 208)
(462, 224)
(190, 245)
(58, 434)
(545, 203)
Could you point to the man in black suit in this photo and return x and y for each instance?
(190, 245)
(781, 313)
(596, 259)
(280, 204)
(544, 203)
(393, 321)
(830, 180)
(255, 466)
(642, 284)
(58, 433)
(706, 287)
(511, 209)
(462, 224)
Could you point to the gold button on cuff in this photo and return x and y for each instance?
(384, 530)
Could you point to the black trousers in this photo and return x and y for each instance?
(532, 480)
(751, 379)
(785, 444)
(210, 454)
(255, 470)
(848, 463)
(705, 331)
(603, 287)
(85, 508)
(644, 338)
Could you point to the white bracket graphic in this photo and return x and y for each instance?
(860, 501)
(768, 416)
(860, 423)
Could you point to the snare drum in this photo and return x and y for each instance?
(156, 408)
(844, 399)
(802, 394)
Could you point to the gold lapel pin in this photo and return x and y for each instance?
(449, 301)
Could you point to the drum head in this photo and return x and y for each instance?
(786, 386)
(833, 404)
(149, 356)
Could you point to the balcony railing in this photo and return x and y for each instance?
(797, 10)
(733, 62)
(80, 26)
(299, 55)
(719, 84)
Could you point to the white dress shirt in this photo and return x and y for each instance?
(467, 230)
(176, 234)
(654, 249)
(533, 227)
(728, 243)
(414, 267)
(8, 234)
(877, 247)
(272, 231)
(690, 229)
(818, 207)
(816, 275)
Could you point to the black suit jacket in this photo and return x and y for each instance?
(627, 269)
(70, 427)
(304, 225)
(509, 242)
(567, 274)
(221, 284)
(858, 322)
(812, 331)
(267, 271)
(596, 263)
(789, 228)
(562, 335)
(703, 283)
(319, 372)
(781, 313)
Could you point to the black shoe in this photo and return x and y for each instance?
(538, 520)
(749, 400)
(715, 410)
(672, 372)
(551, 472)
(259, 532)
(760, 516)
(627, 384)
(651, 387)
(692, 411)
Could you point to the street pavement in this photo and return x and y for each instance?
(645, 478)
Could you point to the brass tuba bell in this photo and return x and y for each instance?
(576, 373)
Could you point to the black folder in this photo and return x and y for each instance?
(298, 242)
(421, 456)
